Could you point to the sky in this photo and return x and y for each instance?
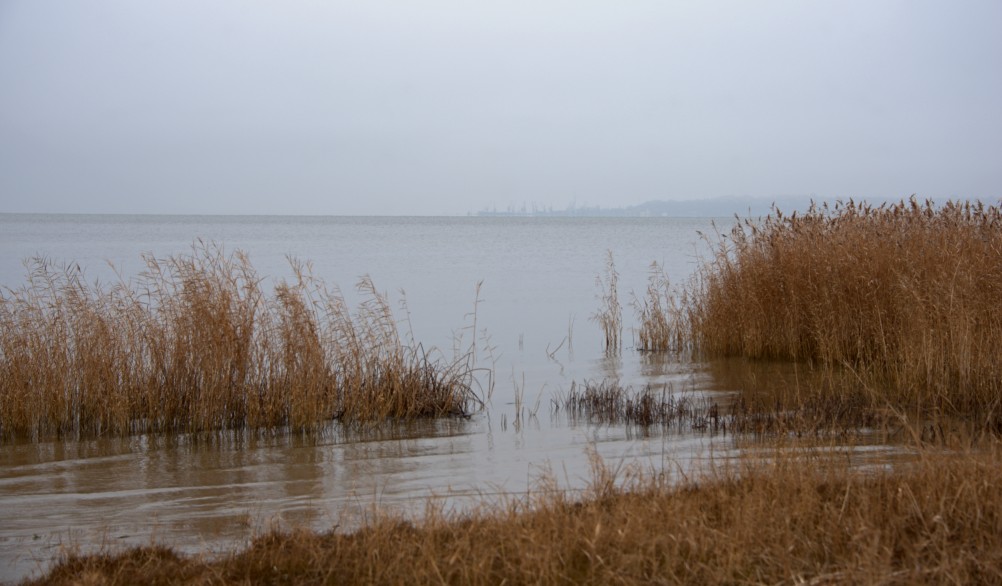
(447, 107)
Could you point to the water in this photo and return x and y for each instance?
(537, 294)
(538, 274)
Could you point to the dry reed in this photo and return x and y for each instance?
(799, 517)
(903, 299)
(610, 314)
(663, 326)
(194, 343)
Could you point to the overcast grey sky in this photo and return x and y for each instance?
(449, 106)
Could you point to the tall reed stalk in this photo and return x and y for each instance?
(610, 314)
(194, 343)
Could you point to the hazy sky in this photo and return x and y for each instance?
(449, 106)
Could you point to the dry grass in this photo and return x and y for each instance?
(194, 343)
(663, 326)
(800, 517)
(610, 314)
(902, 299)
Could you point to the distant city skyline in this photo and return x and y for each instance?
(448, 108)
(707, 207)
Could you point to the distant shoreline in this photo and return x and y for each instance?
(690, 208)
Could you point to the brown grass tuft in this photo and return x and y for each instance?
(194, 343)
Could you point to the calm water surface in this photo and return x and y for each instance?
(537, 295)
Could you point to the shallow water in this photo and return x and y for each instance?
(211, 491)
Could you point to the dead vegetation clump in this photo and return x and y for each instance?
(803, 517)
(194, 343)
(609, 403)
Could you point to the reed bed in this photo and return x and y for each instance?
(904, 298)
(797, 517)
(194, 343)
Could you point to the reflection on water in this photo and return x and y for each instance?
(763, 377)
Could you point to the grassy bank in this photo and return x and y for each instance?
(898, 303)
(196, 343)
(800, 517)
